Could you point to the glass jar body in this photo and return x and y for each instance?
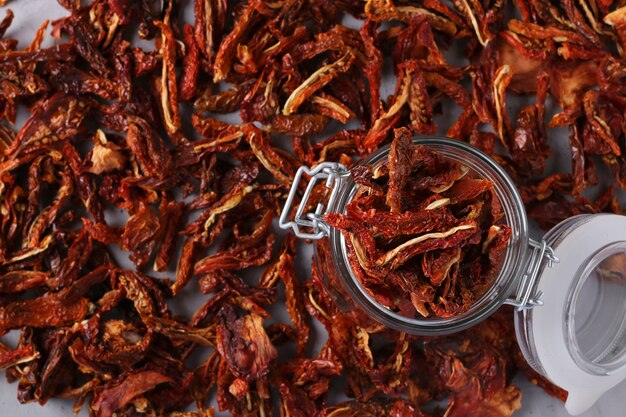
(331, 253)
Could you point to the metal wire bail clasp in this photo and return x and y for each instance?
(333, 173)
(541, 253)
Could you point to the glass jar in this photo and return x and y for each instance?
(568, 288)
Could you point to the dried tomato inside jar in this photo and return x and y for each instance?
(568, 288)
(427, 236)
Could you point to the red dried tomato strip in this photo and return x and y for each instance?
(191, 66)
(400, 167)
(283, 268)
(23, 354)
(45, 311)
(140, 233)
(6, 22)
(168, 85)
(467, 189)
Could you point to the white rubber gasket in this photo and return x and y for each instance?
(549, 333)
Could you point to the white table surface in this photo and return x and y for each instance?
(29, 14)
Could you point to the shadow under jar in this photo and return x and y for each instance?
(568, 289)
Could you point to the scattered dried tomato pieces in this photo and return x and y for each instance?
(108, 132)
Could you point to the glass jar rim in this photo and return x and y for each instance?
(510, 273)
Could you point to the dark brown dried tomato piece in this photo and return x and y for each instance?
(244, 344)
(116, 395)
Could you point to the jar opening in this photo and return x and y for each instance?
(511, 267)
(595, 316)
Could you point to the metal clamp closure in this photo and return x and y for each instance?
(541, 254)
(333, 173)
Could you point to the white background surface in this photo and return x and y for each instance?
(29, 14)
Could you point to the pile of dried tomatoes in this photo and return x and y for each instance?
(117, 127)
